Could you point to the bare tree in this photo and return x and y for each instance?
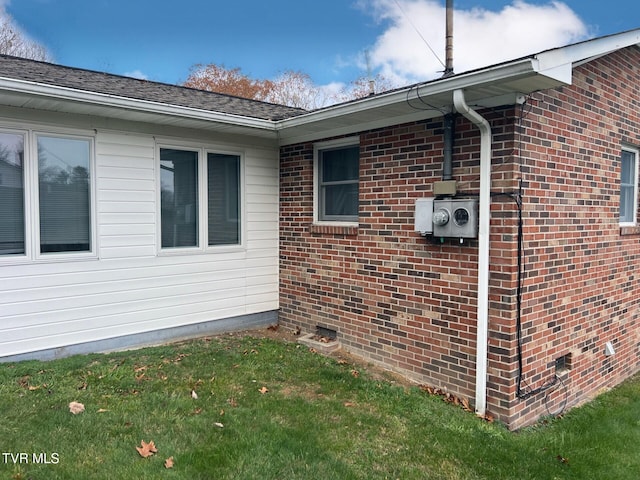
(292, 88)
(14, 42)
(296, 89)
(231, 81)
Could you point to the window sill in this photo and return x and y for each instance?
(334, 229)
(629, 230)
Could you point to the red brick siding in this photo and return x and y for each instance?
(582, 285)
(410, 304)
(392, 295)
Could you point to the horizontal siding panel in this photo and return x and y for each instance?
(77, 308)
(126, 218)
(137, 229)
(128, 252)
(143, 285)
(121, 184)
(132, 195)
(107, 241)
(126, 173)
(127, 206)
(130, 288)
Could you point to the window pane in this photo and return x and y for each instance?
(341, 201)
(340, 164)
(223, 184)
(626, 204)
(179, 198)
(627, 186)
(65, 199)
(628, 168)
(11, 194)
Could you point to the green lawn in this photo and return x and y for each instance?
(268, 409)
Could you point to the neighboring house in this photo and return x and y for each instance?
(153, 212)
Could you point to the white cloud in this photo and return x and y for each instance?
(136, 74)
(481, 37)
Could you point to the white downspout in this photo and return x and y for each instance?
(483, 248)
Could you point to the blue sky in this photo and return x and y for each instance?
(160, 40)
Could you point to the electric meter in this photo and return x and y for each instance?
(455, 218)
(440, 217)
(461, 216)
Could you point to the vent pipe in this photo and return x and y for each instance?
(448, 69)
(449, 118)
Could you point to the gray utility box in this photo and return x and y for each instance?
(455, 217)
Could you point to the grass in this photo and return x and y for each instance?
(315, 418)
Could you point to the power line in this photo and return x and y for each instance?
(419, 34)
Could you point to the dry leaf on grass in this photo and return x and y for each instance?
(168, 463)
(75, 408)
(146, 449)
(194, 395)
(263, 390)
(218, 424)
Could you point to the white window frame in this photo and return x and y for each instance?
(31, 196)
(317, 148)
(636, 158)
(203, 201)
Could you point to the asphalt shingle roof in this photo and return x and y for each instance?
(106, 83)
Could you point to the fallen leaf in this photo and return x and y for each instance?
(263, 390)
(222, 412)
(194, 395)
(355, 373)
(32, 387)
(102, 410)
(75, 408)
(168, 463)
(349, 404)
(218, 424)
(146, 449)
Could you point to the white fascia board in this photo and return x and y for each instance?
(102, 99)
(558, 62)
(443, 88)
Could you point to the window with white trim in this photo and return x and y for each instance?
(46, 195)
(628, 186)
(200, 203)
(337, 178)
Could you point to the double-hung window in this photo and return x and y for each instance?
(200, 199)
(628, 186)
(45, 194)
(337, 174)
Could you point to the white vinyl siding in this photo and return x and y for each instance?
(129, 288)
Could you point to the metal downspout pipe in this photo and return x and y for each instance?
(483, 248)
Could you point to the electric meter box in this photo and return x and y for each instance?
(423, 221)
(455, 217)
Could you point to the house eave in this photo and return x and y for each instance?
(492, 87)
(39, 96)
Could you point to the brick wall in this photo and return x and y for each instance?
(393, 296)
(409, 304)
(581, 287)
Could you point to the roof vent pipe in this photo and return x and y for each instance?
(448, 68)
